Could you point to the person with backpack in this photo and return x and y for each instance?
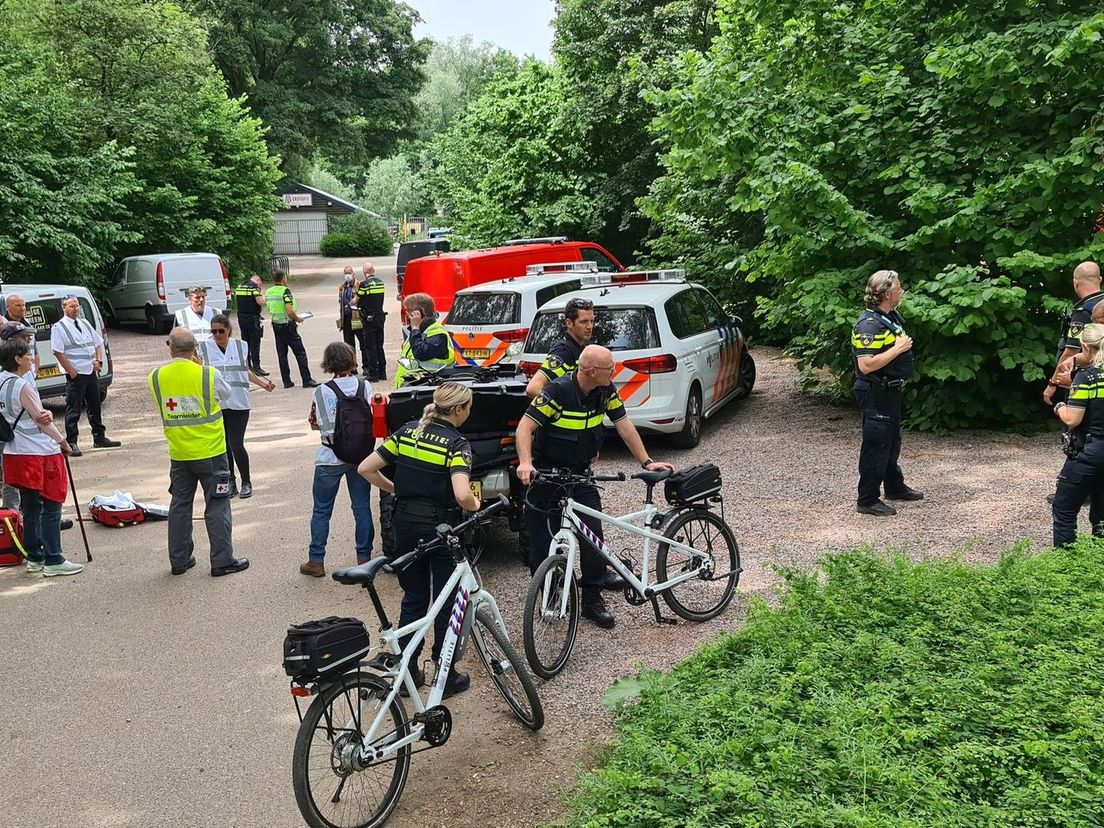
(342, 412)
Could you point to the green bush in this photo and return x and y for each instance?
(881, 694)
(370, 236)
(339, 244)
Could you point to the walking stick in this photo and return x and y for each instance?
(76, 504)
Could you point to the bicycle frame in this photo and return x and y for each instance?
(566, 542)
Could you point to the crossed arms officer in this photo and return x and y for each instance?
(250, 300)
(564, 356)
(428, 343)
(369, 303)
(432, 464)
(883, 362)
(1086, 284)
(562, 428)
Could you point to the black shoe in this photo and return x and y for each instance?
(74, 451)
(594, 609)
(614, 582)
(180, 570)
(289, 385)
(103, 442)
(246, 491)
(239, 565)
(906, 493)
(416, 672)
(260, 372)
(1050, 498)
(66, 524)
(456, 682)
(311, 383)
(233, 489)
(877, 508)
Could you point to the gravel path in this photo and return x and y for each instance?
(139, 699)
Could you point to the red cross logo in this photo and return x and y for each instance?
(172, 404)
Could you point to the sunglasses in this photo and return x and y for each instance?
(220, 330)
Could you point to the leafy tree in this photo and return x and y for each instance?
(818, 142)
(392, 188)
(456, 72)
(336, 76)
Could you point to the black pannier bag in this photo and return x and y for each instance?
(694, 483)
(327, 646)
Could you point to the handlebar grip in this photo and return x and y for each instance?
(403, 561)
(610, 478)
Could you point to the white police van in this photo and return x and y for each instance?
(679, 357)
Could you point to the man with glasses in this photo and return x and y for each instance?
(564, 356)
(562, 429)
(882, 353)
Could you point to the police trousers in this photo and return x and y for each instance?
(1081, 477)
(375, 364)
(542, 520)
(249, 327)
(881, 441)
(423, 580)
(287, 337)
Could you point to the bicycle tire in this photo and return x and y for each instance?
(533, 715)
(684, 530)
(316, 789)
(535, 627)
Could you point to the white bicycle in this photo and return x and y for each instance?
(352, 752)
(697, 563)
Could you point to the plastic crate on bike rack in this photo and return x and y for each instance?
(329, 646)
(692, 484)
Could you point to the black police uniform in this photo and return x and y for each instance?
(1080, 316)
(879, 395)
(424, 463)
(562, 359)
(1082, 475)
(370, 296)
(249, 321)
(569, 437)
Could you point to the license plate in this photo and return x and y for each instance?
(477, 489)
(477, 353)
(49, 371)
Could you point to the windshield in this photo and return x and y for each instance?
(43, 313)
(619, 329)
(485, 309)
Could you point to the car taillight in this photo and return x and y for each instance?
(652, 365)
(225, 280)
(530, 368)
(161, 281)
(516, 335)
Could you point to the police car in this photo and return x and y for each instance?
(679, 357)
(485, 320)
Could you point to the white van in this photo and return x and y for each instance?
(43, 310)
(150, 289)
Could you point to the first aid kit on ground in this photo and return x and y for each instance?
(12, 552)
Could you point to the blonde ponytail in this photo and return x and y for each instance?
(428, 414)
(446, 399)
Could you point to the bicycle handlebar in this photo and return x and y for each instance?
(445, 534)
(565, 476)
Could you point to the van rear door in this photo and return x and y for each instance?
(181, 273)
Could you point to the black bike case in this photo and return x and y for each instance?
(694, 483)
(327, 646)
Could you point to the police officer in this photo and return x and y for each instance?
(1082, 475)
(564, 356)
(369, 302)
(187, 400)
(282, 308)
(562, 429)
(883, 363)
(427, 342)
(432, 473)
(250, 300)
(1086, 284)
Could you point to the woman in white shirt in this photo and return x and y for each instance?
(231, 358)
(340, 360)
(34, 461)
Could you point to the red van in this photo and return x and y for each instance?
(442, 274)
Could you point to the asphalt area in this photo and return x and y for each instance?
(135, 698)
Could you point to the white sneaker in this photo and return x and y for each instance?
(63, 568)
(33, 566)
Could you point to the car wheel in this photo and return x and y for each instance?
(151, 323)
(690, 435)
(747, 374)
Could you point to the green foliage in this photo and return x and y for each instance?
(330, 76)
(814, 144)
(883, 694)
(356, 234)
(392, 188)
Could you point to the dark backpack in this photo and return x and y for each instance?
(352, 439)
(7, 430)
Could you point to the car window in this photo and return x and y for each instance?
(485, 309)
(43, 313)
(686, 315)
(619, 329)
(715, 315)
(568, 287)
(552, 291)
(119, 277)
(604, 262)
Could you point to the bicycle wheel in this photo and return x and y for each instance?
(706, 596)
(332, 789)
(549, 635)
(506, 671)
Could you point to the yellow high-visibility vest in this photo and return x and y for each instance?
(184, 393)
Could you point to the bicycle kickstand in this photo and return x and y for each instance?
(662, 619)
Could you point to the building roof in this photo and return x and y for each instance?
(322, 195)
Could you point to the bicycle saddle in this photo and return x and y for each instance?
(650, 477)
(361, 574)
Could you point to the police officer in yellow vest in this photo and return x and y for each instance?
(427, 341)
(282, 308)
(186, 394)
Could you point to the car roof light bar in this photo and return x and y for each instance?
(561, 267)
(638, 278)
(540, 240)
